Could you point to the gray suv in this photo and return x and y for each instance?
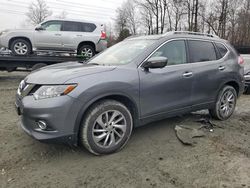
(137, 81)
(83, 38)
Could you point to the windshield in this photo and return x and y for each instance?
(122, 53)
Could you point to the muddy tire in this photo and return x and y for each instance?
(106, 127)
(225, 104)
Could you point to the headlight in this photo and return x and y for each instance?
(3, 32)
(50, 91)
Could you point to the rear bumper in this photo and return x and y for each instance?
(101, 45)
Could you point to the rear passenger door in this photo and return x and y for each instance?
(207, 71)
(72, 34)
(77, 32)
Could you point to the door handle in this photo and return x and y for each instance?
(58, 34)
(221, 68)
(79, 35)
(187, 74)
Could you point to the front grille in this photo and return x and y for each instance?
(25, 89)
(34, 89)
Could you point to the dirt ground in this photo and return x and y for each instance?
(154, 157)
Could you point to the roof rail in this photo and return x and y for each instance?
(195, 33)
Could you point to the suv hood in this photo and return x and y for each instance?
(62, 72)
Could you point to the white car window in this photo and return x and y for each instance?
(52, 26)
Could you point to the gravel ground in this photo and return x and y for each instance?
(154, 157)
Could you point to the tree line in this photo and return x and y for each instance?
(229, 19)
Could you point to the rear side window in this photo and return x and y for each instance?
(72, 26)
(200, 51)
(88, 27)
(222, 49)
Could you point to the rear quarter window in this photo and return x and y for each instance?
(200, 51)
(88, 27)
(222, 49)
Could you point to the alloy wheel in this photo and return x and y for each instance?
(109, 129)
(87, 52)
(21, 48)
(227, 103)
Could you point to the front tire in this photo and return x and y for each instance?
(20, 47)
(225, 104)
(106, 127)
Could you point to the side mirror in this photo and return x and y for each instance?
(39, 28)
(156, 62)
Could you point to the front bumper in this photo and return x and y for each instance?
(3, 41)
(59, 113)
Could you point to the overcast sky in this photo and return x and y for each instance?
(12, 12)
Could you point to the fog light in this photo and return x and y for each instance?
(42, 125)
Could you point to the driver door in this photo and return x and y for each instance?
(50, 38)
(168, 89)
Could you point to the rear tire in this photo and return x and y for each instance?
(20, 47)
(106, 127)
(225, 103)
(87, 51)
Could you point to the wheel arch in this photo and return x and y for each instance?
(20, 37)
(86, 43)
(125, 100)
(235, 85)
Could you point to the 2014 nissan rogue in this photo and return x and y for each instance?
(137, 81)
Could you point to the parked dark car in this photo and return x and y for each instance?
(137, 81)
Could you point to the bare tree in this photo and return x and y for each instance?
(121, 24)
(178, 9)
(229, 19)
(38, 12)
(146, 16)
(120, 20)
(131, 13)
(62, 15)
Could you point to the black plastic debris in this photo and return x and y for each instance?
(207, 124)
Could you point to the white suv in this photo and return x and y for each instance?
(83, 38)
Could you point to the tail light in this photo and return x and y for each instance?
(240, 60)
(103, 35)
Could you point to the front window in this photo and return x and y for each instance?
(52, 26)
(175, 51)
(122, 53)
